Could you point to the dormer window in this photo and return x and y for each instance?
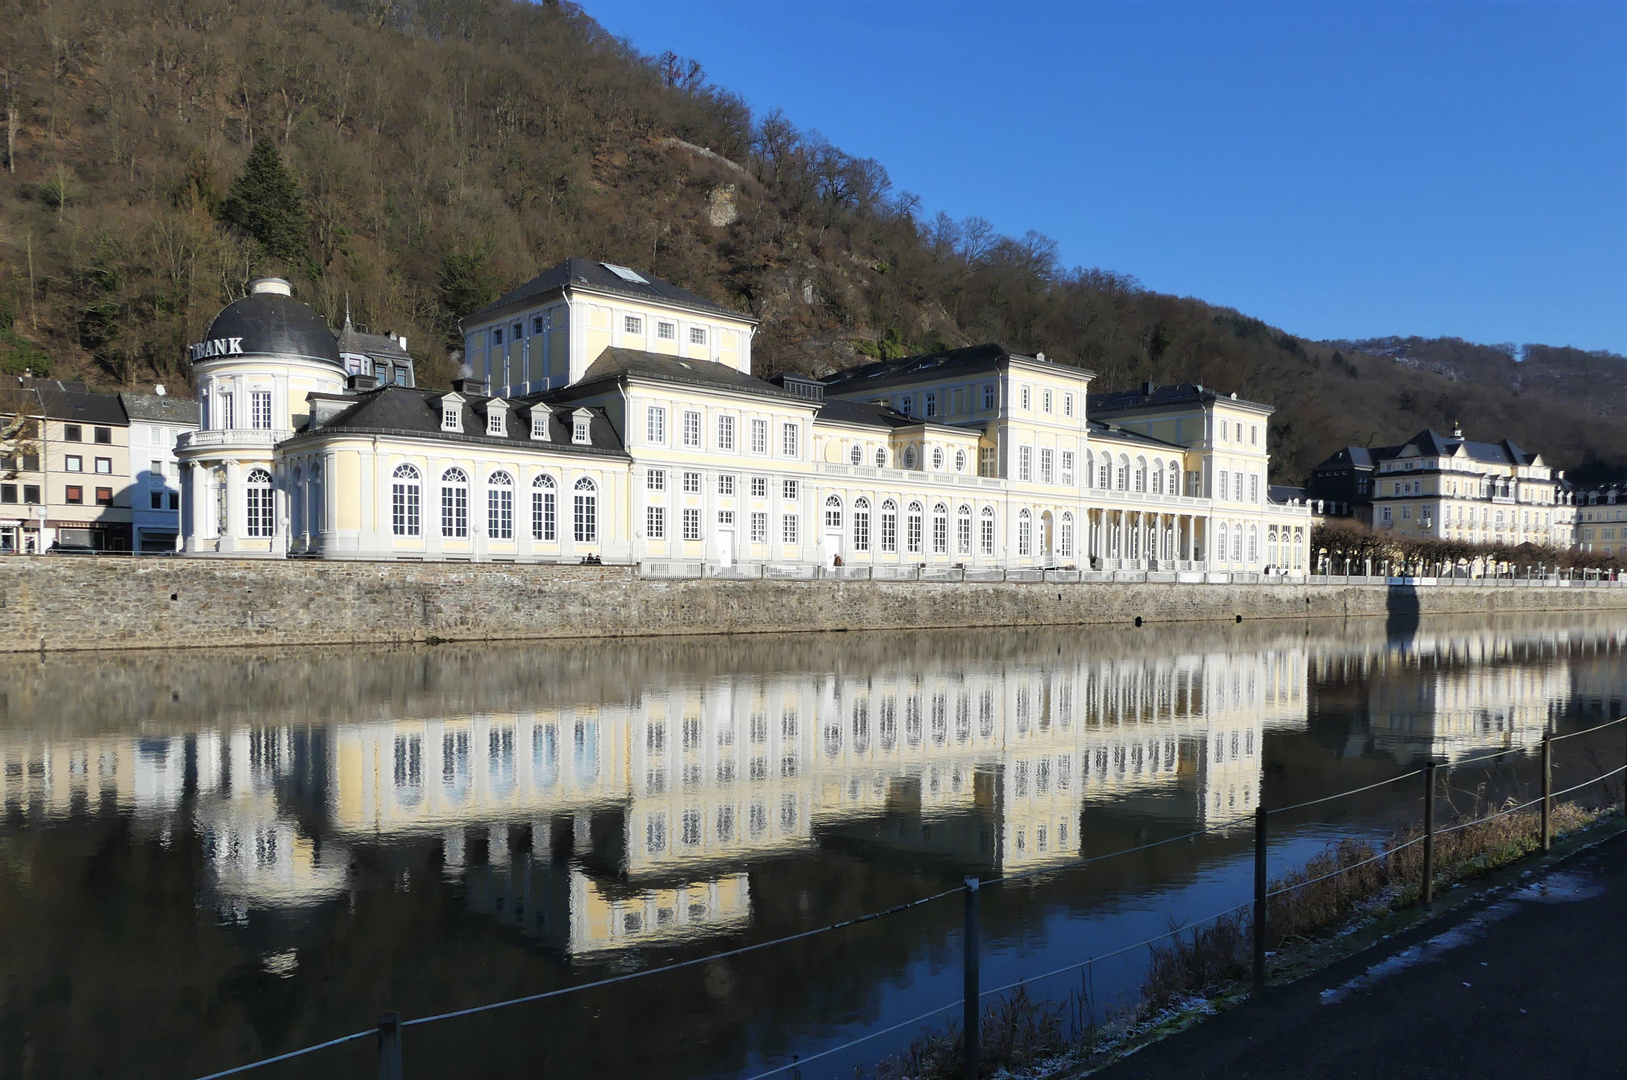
(451, 418)
(579, 428)
(494, 420)
(539, 424)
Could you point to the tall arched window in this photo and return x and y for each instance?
(314, 507)
(500, 506)
(1090, 469)
(1025, 534)
(1237, 542)
(261, 517)
(1174, 478)
(861, 525)
(963, 530)
(940, 529)
(1065, 537)
(406, 501)
(1253, 543)
(1141, 474)
(1124, 473)
(1104, 473)
(296, 502)
(833, 512)
(455, 503)
(544, 509)
(1271, 547)
(889, 526)
(912, 529)
(987, 530)
(587, 511)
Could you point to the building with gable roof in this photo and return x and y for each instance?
(609, 416)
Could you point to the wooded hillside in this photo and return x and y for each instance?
(416, 159)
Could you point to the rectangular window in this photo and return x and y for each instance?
(692, 429)
(31, 494)
(75, 495)
(697, 335)
(692, 524)
(985, 461)
(655, 425)
(104, 466)
(8, 493)
(788, 489)
(692, 483)
(539, 323)
(788, 440)
(1254, 487)
(1025, 462)
(579, 431)
(987, 534)
(73, 463)
(759, 436)
(725, 433)
(988, 395)
(1067, 404)
(666, 331)
(906, 404)
(759, 528)
(104, 496)
(931, 403)
(104, 435)
(260, 409)
(73, 433)
(1047, 461)
(788, 530)
(725, 484)
(1023, 392)
(632, 324)
(1225, 485)
(1067, 468)
(497, 335)
(449, 418)
(759, 487)
(494, 422)
(655, 480)
(1045, 402)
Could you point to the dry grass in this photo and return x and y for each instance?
(1016, 1031)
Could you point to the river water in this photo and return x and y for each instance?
(208, 858)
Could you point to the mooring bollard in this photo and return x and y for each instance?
(1429, 833)
(1547, 790)
(390, 1046)
(969, 1012)
(1259, 897)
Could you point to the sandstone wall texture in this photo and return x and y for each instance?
(59, 603)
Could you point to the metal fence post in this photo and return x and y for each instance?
(969, 1016)
(1259, 897)
(1429, 833)
(1547, 790)
(390, 1046)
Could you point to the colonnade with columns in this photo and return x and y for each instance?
(1136, 539)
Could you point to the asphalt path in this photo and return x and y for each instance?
(1528, 981)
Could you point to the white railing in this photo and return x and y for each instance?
(248, 438)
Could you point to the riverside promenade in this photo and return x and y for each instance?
(1528, 979)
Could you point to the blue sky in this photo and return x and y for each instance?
(1339, 170)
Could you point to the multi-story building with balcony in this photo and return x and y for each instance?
(613, 417)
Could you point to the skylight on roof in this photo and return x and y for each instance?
(625, 274)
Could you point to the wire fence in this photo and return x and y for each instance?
(388, 1031)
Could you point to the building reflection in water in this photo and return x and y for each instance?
(597, 819)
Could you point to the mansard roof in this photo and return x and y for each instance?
(598, 277)
(970, 360)
(616, 365)
(1100, 429)
(1150, 395)
(414, 412)
(379, 346)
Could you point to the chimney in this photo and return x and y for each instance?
(1148, 387)
(274, 286)
(470, 387)
(1457, 430)
(403, 342)
(362, 383)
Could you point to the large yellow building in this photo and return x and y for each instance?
(609, 416)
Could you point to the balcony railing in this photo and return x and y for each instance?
(233, 438)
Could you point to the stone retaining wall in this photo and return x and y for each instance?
(56, 602)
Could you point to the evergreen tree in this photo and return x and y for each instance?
(266, 203)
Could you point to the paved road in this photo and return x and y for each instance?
(1531, 982)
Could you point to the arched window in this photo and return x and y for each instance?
(455, 503)
(1174, 478)
(1104, 473)
(313, 515)
(1025, 534)
(987, 537)
(1253, 543)
(587, 511)
(1141, 474)
(861, 525)
(1124, 473)
(1271, 547)
(963, 530)
(912, 529)
(960, 460)
(261, 519)
(889, 526)
(1090, 469)
(1065, 537)
(833, 512)
(1157, 480)
(296, 502)
(544, 509)
(940, 529)
(500, 506)
(856, 455)
(406, 501)
(1237, 542)
(881, 457)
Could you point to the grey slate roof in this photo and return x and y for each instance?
(72, 402)
(157, 409)
(1282, 494)
(589, 274)
(352, 340)
(864, 413)
(1143, 397)
(1430, 443)
(614, 364)
(1100, 429)
(400, 410)
(270, 324)
(986, 357)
